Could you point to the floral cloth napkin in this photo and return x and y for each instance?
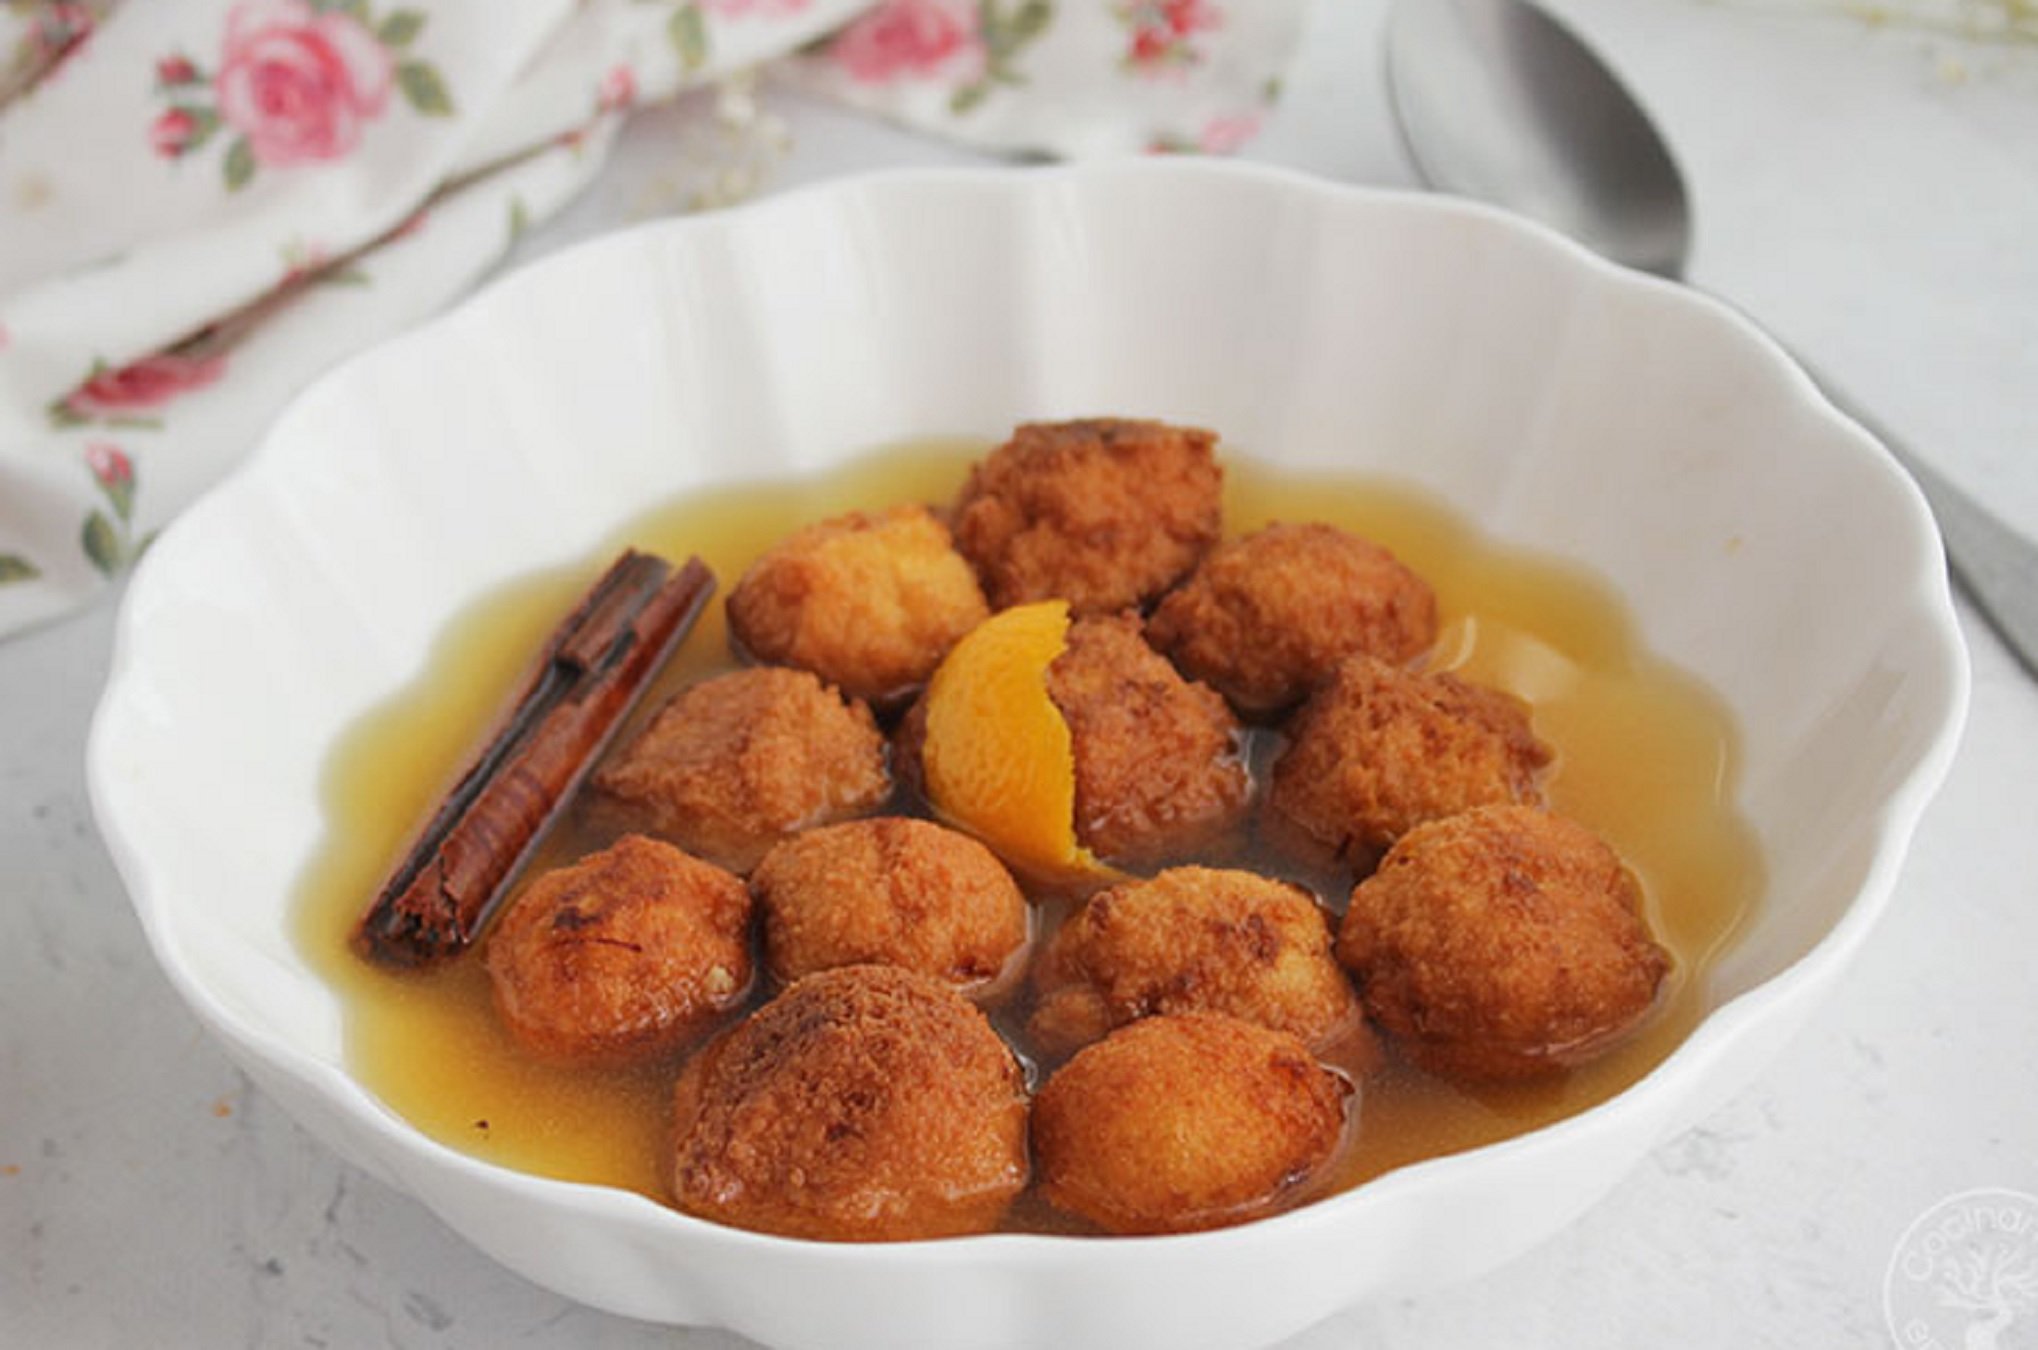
(204, 204)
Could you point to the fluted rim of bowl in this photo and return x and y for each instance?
(1941, 658)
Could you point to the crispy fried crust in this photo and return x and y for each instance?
(1184, 1122)
(1192, 939)
(1379, 750)
(1158, 771)
(1501, 943)
(891, 891)
(1104, 513)
(622, 956)
(1266, 619)
(736, 762)
(868, 602)
(863, 1104)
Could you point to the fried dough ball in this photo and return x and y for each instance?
(870, 603)
(1502, 943)
(622, 956)
(1184, 1122)
(1104, 513)
(1266, 619)
(863, 1104)
(1158, 771)
(1379, 750)
(736, 762)
(1192, 939)
(891, 891)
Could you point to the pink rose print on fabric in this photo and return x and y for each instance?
(618, 90)
(59, 28)
(174, 132)
(108, 540)
(973, 46)
(110, 465)
(1163, 32)
(1225, 135)
(138, 388)
(175, 70)
(905, 39)
(55, 33)
(1221, 135)
(297, 83)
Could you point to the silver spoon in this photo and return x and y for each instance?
(1498, 100)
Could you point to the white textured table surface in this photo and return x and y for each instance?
(1868, 190)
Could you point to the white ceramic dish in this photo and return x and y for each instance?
(1764, 543)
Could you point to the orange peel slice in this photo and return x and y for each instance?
(997, 759)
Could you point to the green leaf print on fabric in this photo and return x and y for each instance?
(1005, 34)
(239, 166)
(687, 31)
(422, 86)
(400, 26)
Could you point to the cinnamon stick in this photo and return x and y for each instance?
(587, 677)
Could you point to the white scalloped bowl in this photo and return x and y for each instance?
(1763, 542)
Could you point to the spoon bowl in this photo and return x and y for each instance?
(1500, 101)
(1580, 156)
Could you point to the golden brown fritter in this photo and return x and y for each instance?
(735, 763)
(1158, 771)
(891, 891)
(1501, 943)
(1104, 513)
(870, 603)
(1379, 750)
(1184, 1122)
(864, 1104)
(1192, 939)
(622, 956)
(1266, 619)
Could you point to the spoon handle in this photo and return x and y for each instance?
(1994, 563)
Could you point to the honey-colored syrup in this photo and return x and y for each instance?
(1645, 756)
